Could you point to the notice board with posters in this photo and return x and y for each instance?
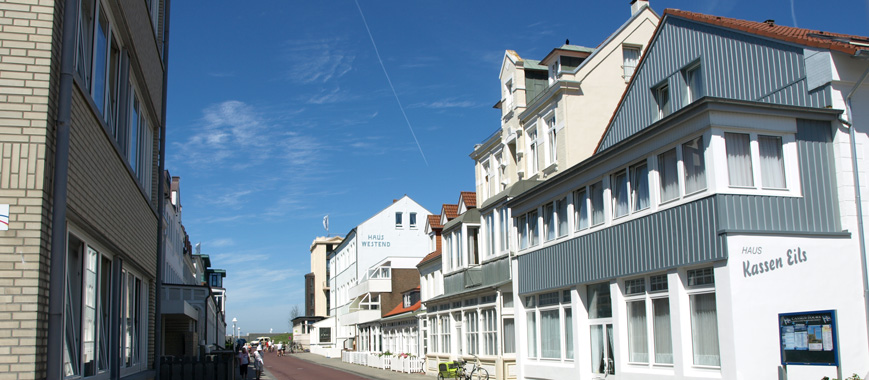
(809, 338)
(325, 334)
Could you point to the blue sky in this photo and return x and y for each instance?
(280, 113)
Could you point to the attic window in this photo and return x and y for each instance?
(662, 98)
(631, 59)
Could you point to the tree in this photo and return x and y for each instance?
(294, 313)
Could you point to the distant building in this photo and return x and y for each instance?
(396, 232)
(316, 282)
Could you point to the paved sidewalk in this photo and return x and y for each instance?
(363, 371)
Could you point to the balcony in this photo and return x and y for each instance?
(371, 285)
(473, 277)
(360, 316)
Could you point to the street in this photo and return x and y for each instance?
(306, 366)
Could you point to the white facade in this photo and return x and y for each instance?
(398, 232)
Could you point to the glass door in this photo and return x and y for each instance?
(601, 329)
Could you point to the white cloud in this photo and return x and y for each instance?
(318, 60)
(446, 103)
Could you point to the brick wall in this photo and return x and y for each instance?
(27, 63)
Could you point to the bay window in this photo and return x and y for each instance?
(596, 195)
(742, 158)
(620, 194)
(504, 227)
(523, 231)
(580, 209)
(490, 234)
(639, 187)
(668, 175)
(561, 216)
(548, 221)
(695, 167)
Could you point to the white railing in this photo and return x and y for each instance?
(394, 363)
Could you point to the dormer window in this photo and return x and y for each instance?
(662, 98)
(693, 84)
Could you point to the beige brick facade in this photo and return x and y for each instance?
(105, 199)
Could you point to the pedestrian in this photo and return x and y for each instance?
(243, 361)
(259, 363)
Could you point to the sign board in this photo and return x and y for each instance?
(4, 217)
(325, 334)
(809, 338)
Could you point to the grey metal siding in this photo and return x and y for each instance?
(733, 65)
(679, 236)
(693, 233)
(454, 283)
(815, 212)
(497, 271)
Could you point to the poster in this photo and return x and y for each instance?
(809, 338)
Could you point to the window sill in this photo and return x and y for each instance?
(552, 167)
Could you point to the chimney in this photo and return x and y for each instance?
(637, 6)
(770, 22)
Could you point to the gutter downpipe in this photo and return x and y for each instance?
(161, 204)
(57, 268)
(858, 198)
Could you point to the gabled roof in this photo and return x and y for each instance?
(435, 222)
(449, 212)
(469, 198)
(849, 44)
(430, 257)
(844, 43)
(400, 309)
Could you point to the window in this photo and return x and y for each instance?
(561, 216)
(552, 310)
(693, 84)
(509, 336)
(631, 57)
(641, 298)
(620, 194)
(739, 159)
(86, 310)
(445, 333)
(695, 168)
(532, 151)
(508, 95)
(534, 235)
(412, 220)
(140, 153)
(704, 317)
(504, 221)
(597, 214)
(548, 221)
(771, 161)
(532, 334)
(435, 337)
(601, 328)
(485, 172)
(553, 147)
(662, 98)
(580, 209)
(523, 232)
(473, 246)
(398, 221)
(639, 187)
(669, 176)
(740, 163)
(153, 8)
(489, 231)
(472, 337)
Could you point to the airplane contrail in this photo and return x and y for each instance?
(376, 52)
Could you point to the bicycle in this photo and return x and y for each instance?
(477, 372)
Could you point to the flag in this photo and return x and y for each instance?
(326, 222)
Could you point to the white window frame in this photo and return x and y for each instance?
(532, 138)
(411, 220)
(663, 101)
(697, 290)
(790, 161)
(648, 296)
(399, 219)
(630, 67)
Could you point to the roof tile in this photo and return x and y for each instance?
(470, 199)
(814, 38)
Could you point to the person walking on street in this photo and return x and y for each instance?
(243, 361)
(259, 363)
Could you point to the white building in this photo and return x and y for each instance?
(359, 263)
(715, 233)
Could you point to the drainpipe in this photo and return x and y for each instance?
(161, 204)
(57, 269)
(858, 198)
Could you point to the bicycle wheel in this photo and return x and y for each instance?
(480, 374)
(440, 376)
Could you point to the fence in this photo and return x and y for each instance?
(210, 367)
(384, 362)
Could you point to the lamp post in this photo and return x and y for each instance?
(234, 331)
